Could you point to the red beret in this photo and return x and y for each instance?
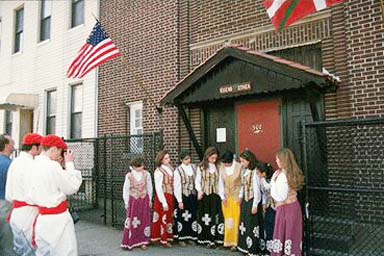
(53, 141)
(32, 139)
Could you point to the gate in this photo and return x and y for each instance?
(114, 154)
(344, 169)
(104, 162)
(85, 200)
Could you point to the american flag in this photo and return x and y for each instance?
(98, 49)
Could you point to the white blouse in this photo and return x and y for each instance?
(279, 186)
(256, 187)
(159, 183)
(211, 169)
(177, 186)
(127, 184)
(221, 189)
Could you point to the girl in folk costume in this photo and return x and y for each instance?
(286, 181)
(229, 191)
(186, 196)
(265, 173)
(251, 229)
(162, 223)
(137, 194)
(210, 227)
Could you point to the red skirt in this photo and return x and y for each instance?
(162, 222)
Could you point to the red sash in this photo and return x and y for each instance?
(48, 211)
(17, 204)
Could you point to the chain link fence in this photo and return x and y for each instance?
(344, 167)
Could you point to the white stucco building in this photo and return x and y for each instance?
(38, 42)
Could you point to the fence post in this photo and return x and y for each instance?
(307, 222)
(105, 178)
(111, 182)
(96, 172)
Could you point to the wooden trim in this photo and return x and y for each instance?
(192, 135)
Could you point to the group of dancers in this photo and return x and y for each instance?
(241, 205)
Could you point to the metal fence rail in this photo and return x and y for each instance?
(104, 162)
(344, 167)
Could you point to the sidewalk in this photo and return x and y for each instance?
(99, 240)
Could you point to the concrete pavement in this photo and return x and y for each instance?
(99, 240)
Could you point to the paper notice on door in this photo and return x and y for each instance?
(221, 135)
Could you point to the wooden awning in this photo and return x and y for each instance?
(234, 71)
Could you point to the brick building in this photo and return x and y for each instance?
(38, 41)
(210, 66)
(163, 41)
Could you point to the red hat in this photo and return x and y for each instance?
(31, 139)
(53, 141)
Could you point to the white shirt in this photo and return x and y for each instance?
(159, 183)
(266, 189)
(279, 187)
(177, 186)
(211, 169)
(256, 187)
(221, 189)
(17, 181)
(50, 184)
(138, 176)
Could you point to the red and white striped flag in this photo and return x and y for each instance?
(286, 12)
(98, 49)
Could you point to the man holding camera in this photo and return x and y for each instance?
(50, 184)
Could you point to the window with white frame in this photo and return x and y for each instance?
(51, 112)
(77, 13)
(45, 19)
(8, 121)
(76, 111)
(19, 30)
(136, 126)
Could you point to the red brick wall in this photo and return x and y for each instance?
(146, 32)
(351, 37)
(164, 40)
(364, 29)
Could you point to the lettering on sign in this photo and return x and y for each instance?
(235, 88)
(257, 128)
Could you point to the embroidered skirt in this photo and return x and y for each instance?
(186, 219)
(162, 221)
(210, 220)
(288, 233)
(251, 230)
(269, 224)
(231, 214)
(137, 224)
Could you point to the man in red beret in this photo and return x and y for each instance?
(24, 212)
(50, 185)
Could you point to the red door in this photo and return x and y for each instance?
(258, 126)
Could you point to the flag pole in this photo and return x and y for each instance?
(135, 78)
(140, 83)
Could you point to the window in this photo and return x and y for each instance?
(45, 20)
(8, 122)
(136, 126)
(77, 13)
(51, 112)
(76, 111)
(19, 26)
